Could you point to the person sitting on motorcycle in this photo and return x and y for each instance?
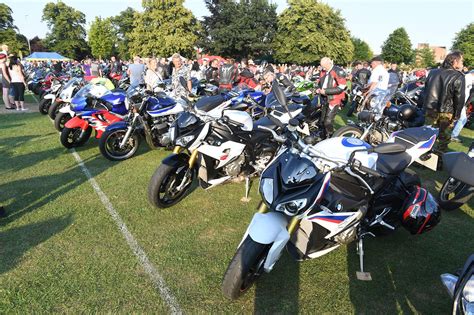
(331, 89)
(180, 70)
(228, 76)
(378, 85)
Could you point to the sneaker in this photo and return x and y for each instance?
(18, 109)
(456, 139)
(23, 109)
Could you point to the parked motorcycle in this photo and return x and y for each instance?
(149, 115)
(461, 288)
(65, 96)
(50, 96)
(459, 187)
(318, 197)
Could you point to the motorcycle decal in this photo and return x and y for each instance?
(329, 218)
(354, 142)
(428, 144)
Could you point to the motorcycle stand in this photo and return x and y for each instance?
(246, 198)
(362, 275)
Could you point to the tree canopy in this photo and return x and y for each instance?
(239, 28)
(362, 51)
(309, 30)
(425, 57)
(67, 34)
(9, 35)
(101, 38)
(165, 27)
(123, 25)
(464, 41)
(397, 47)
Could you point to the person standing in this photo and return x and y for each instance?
(332, 90)
(17, 82)
(135, 71)
(378, 85)
(180, 70)
(444, 97)
(152, 77)
(5, 81)
(469, 93)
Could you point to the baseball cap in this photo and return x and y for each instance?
(377, 58)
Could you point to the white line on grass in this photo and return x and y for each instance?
(155, 277)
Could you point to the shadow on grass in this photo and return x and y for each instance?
(406, 268)
(27, 160)
(6, 126)
(15, 242)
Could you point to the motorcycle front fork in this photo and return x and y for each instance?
(191, 162)
(292, 225)
(129, 132)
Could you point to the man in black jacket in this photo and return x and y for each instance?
(444, 97)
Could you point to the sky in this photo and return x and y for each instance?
(426, 21)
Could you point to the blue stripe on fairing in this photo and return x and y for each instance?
(428, 143)
(159, 111)
(332, 217)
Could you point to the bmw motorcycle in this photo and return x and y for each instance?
(318, 197)
(461, 288)
(459, 187)
(150, 115)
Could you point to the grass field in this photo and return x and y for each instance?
(61, 252)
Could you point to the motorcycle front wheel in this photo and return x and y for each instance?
(245, 268)
(109, 145)
(54, 109)
(453, 194)
(44, 105)
(75, 137)
(163, 189)
(61, 120)
(348, 131)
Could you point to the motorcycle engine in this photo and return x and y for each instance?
(347, 236)
(234, 168)
(376, 137)
(160, 133)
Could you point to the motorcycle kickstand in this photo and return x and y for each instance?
(246, 198)
(362, 275)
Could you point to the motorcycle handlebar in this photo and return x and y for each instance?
(274, 134)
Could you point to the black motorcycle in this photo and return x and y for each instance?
(460, 287)
(459, 187)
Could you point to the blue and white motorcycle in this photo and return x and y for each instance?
(317, 197)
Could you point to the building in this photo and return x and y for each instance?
(439, 52)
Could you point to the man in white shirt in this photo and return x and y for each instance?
(378, 84)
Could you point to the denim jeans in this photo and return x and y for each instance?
(460, 123)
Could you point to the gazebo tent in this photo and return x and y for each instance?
(41, 56)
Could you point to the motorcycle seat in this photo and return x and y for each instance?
(393, 164)
(411, 136)
(208, 103)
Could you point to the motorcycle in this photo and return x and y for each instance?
(94, 113)
(459, 187)
(318, 197)
(218, 144)
(461, 288)
(65, 96)
(148, 114)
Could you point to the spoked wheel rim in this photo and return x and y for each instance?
(254, 272)
(451, 189)
(168, 191)
(74, 135)
(113, 144)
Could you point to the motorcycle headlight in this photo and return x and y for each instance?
(183, 141)
(267, 189)
(291, 208)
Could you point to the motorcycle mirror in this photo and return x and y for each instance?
(183, 83)
(388, 148)
(280, 95)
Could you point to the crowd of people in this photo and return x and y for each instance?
(13, 80)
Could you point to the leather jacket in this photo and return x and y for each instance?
(336, 85)
(444, 91)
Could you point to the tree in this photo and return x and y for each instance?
(123, 24)
(425, 57)
(309, 30)
(17, 43)
(397, 47)
(362, 51)
(37, 44)
(67, 34)
(165, 27)
(101, 38)
(239, 29)
(464, 41)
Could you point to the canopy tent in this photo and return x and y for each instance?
(40, 56)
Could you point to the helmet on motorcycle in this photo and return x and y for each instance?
(406, 112)
(420, 212)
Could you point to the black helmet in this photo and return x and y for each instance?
(406, 112)
(420, 213)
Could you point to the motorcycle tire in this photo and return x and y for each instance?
(162, 182)
(245, 268)
(61, 120)
(109, 145)
(74, 137)
(54, 109)
(41, 94)
(453, 194)
(348, 131)
(44, 105)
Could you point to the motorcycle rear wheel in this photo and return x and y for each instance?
(75, 137)
(109, 145)
(348, 131)
(245, 268)
(61, 120)
(453, 194)
(162, 188)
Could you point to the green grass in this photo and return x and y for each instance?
(61, 252)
